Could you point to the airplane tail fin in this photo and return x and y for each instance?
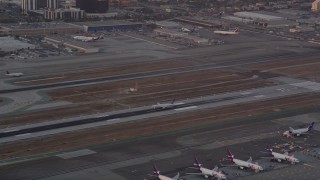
(156, 172)
(291, 129)
(269, 149)
(173, 101)
(236, 30)
(311, 126)
(229, 155)
(8, 72)
(196, 163)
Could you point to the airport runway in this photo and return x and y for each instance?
(296, 87)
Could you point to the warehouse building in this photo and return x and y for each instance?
(198, 22)
(108, 26)
(178, 35)
(36, 29)
(257, 16)
(74, 45)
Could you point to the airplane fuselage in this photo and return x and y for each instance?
(14, 74)
(244, 164)
(207, 172)
(288, 158)
(162, 177)
(298, 132)
(225, 32)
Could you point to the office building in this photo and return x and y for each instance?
(52, 4)
(31, 5)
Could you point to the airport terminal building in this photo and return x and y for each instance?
(109, 26)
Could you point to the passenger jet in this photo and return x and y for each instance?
(243, 164)
(13, 74)
(282, 157)
(298, 132)
(207, 172)
(156, 173)
(235, 31)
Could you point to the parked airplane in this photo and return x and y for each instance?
(185, 30)
(298, 132)
(243, 164)
(282, 157)
(207, 172)
(13, 74)
(164, 105)
(235, 31)
(156, 173)
(87, 38)
(134, 89)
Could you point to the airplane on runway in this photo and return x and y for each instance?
(234, 32)
(207, 172)
(13, 74)
(157, 174)
(298, 132)
(243, 164)
(281, 157)
(164, 105)
(185, 30)
(87, 38)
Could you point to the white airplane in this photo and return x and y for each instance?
(87, 38)
(157, 174)
(164, 105)
(279, 157)
(134, 89)
(185, 30)
(243, 164)
(235, 31)
(298, 132)
(13, 74)
(208, 172)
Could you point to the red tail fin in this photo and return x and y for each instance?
(229, 155)
(156, 172)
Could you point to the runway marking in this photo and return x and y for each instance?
(245, 93)
(73, 154)
(186, 108)
(111, 120)
(305, 164)
(11, 130)
(20, 135)
(43, 79)
(260, 96)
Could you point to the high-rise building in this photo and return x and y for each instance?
(67, 3)
(31, 5)
(52, 4)
(65, 14)
(93, 6)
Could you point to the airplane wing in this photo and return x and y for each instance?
(215, 168)
(176, 177)
(249, 160)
